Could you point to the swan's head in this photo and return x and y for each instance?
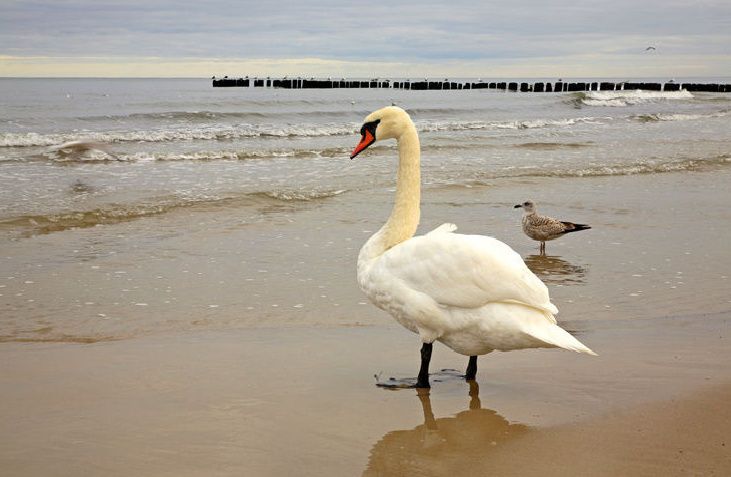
(528, 206)
(386, 123)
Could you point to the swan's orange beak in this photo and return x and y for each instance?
(368, 137)
(366, 140)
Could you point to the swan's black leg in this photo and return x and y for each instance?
(471, 369)
(423, 380)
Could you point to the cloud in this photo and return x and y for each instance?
(414, 32)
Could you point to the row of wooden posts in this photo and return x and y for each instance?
(525, 87)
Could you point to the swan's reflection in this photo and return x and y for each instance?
(456, 445)
(555, 270)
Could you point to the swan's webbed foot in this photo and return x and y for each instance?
(471, 372)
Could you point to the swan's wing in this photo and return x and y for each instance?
(466, 271)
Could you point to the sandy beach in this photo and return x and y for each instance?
(278, 379)
(284, 402)
(184, 303)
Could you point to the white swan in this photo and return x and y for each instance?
(471, 292)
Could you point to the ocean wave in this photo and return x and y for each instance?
(60, 338)
(549, 146)
(100, 156)
(437, 126)
(642, 167)
(217, 155)
(212, 133)
(298, 195)
(189, 115)
(645, 118)
(627, 98)
(112, 214)
(179, 134)
(29, 225)
(207, 115)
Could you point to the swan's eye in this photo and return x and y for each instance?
(370, 126)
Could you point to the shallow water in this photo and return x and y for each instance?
(230, 208)
(161, 145)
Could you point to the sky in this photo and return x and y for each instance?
(338, 38)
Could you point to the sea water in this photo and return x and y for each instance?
(160, 145)
(197, 207)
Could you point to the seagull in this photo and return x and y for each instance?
(650, 48)
(542, 228)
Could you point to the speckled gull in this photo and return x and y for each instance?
(542, 228)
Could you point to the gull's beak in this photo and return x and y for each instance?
(518, 206)
(366, 140)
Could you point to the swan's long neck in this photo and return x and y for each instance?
(404, 218)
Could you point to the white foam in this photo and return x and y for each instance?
(178, 134)
(435, 126)
(630, 97)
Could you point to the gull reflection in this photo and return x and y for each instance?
(458, 445)
(555, 270)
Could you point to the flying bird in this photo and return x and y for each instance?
(650, 48)
(542, 228)
(472, 293)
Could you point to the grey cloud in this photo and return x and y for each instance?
(374, 30)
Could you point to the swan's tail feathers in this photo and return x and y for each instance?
(554, 335)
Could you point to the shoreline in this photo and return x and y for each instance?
(212, 270)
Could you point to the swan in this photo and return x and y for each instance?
(472, 293)
(542, 228)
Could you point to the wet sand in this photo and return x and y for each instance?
(303, 402)
(202, 342)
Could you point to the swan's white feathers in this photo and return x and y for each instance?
(463, 271)
(471, 292)
(444, 228)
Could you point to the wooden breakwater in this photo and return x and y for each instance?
(431, 85)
